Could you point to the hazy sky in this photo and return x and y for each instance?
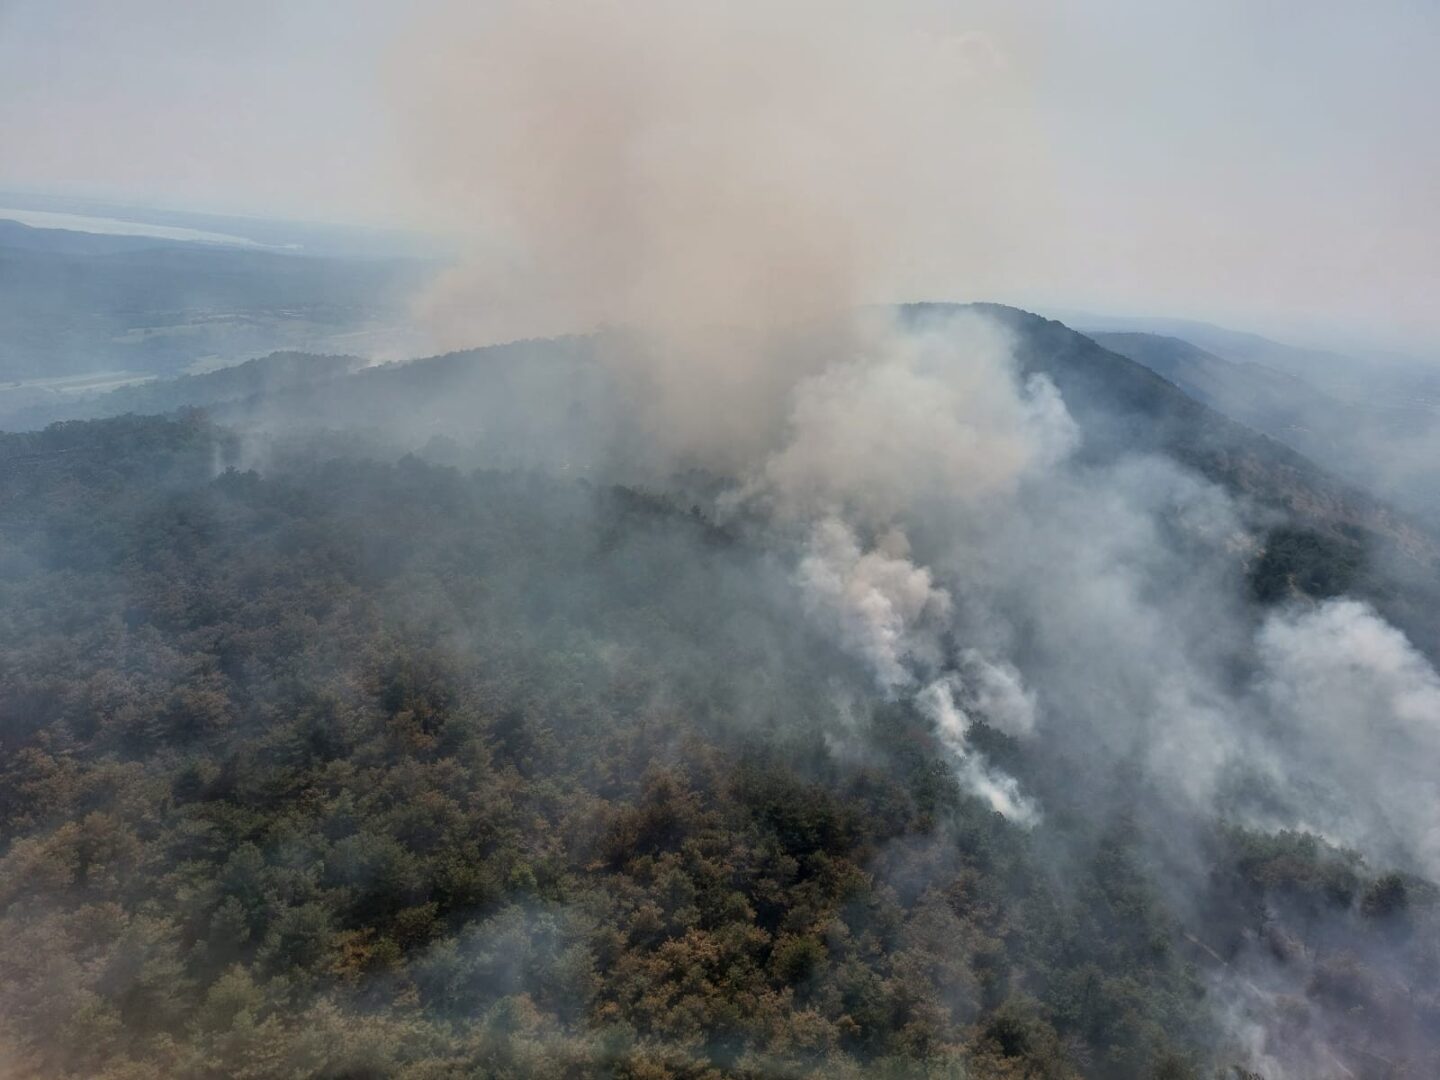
(1266, 164)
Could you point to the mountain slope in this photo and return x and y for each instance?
(1365, 374)
(1274, 402)
(1385, 443)
(549, 403)
(364, 765)
(1124, 407)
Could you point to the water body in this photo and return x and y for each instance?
(86, 383)
(106, 226)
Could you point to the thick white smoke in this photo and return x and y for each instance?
(882, 606)
(996, 690)
(886, 610)
(922, 419)
(939, 702)
(923, 414)
(1118, 592)
(728, 183)
(1349, 699)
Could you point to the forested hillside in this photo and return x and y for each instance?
(556, 404)
(361, 769)
(1377, 435)
(524, 555)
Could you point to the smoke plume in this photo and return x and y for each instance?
(726, 187)
(1353, 696)
(708, 176)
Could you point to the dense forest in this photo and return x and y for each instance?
(372, 767)
(533, 548)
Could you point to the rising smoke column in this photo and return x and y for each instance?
(710, 177)
(927, 416)
(728, 184)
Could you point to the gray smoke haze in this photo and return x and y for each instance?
(719, 200)
(708, 176)
(1370, 704)
(728, 186)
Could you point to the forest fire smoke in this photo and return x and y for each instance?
(727, 184)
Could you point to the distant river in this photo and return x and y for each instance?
(46, 219)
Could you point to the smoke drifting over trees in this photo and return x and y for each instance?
(759, 682)
(686, 170)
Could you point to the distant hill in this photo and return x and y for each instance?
(1385, 441)
(498, 397)
(1371, 375)
(547, 403)
(75, 302)
(1274, 402)
(1124, 406)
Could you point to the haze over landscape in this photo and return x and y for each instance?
(707, 539)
